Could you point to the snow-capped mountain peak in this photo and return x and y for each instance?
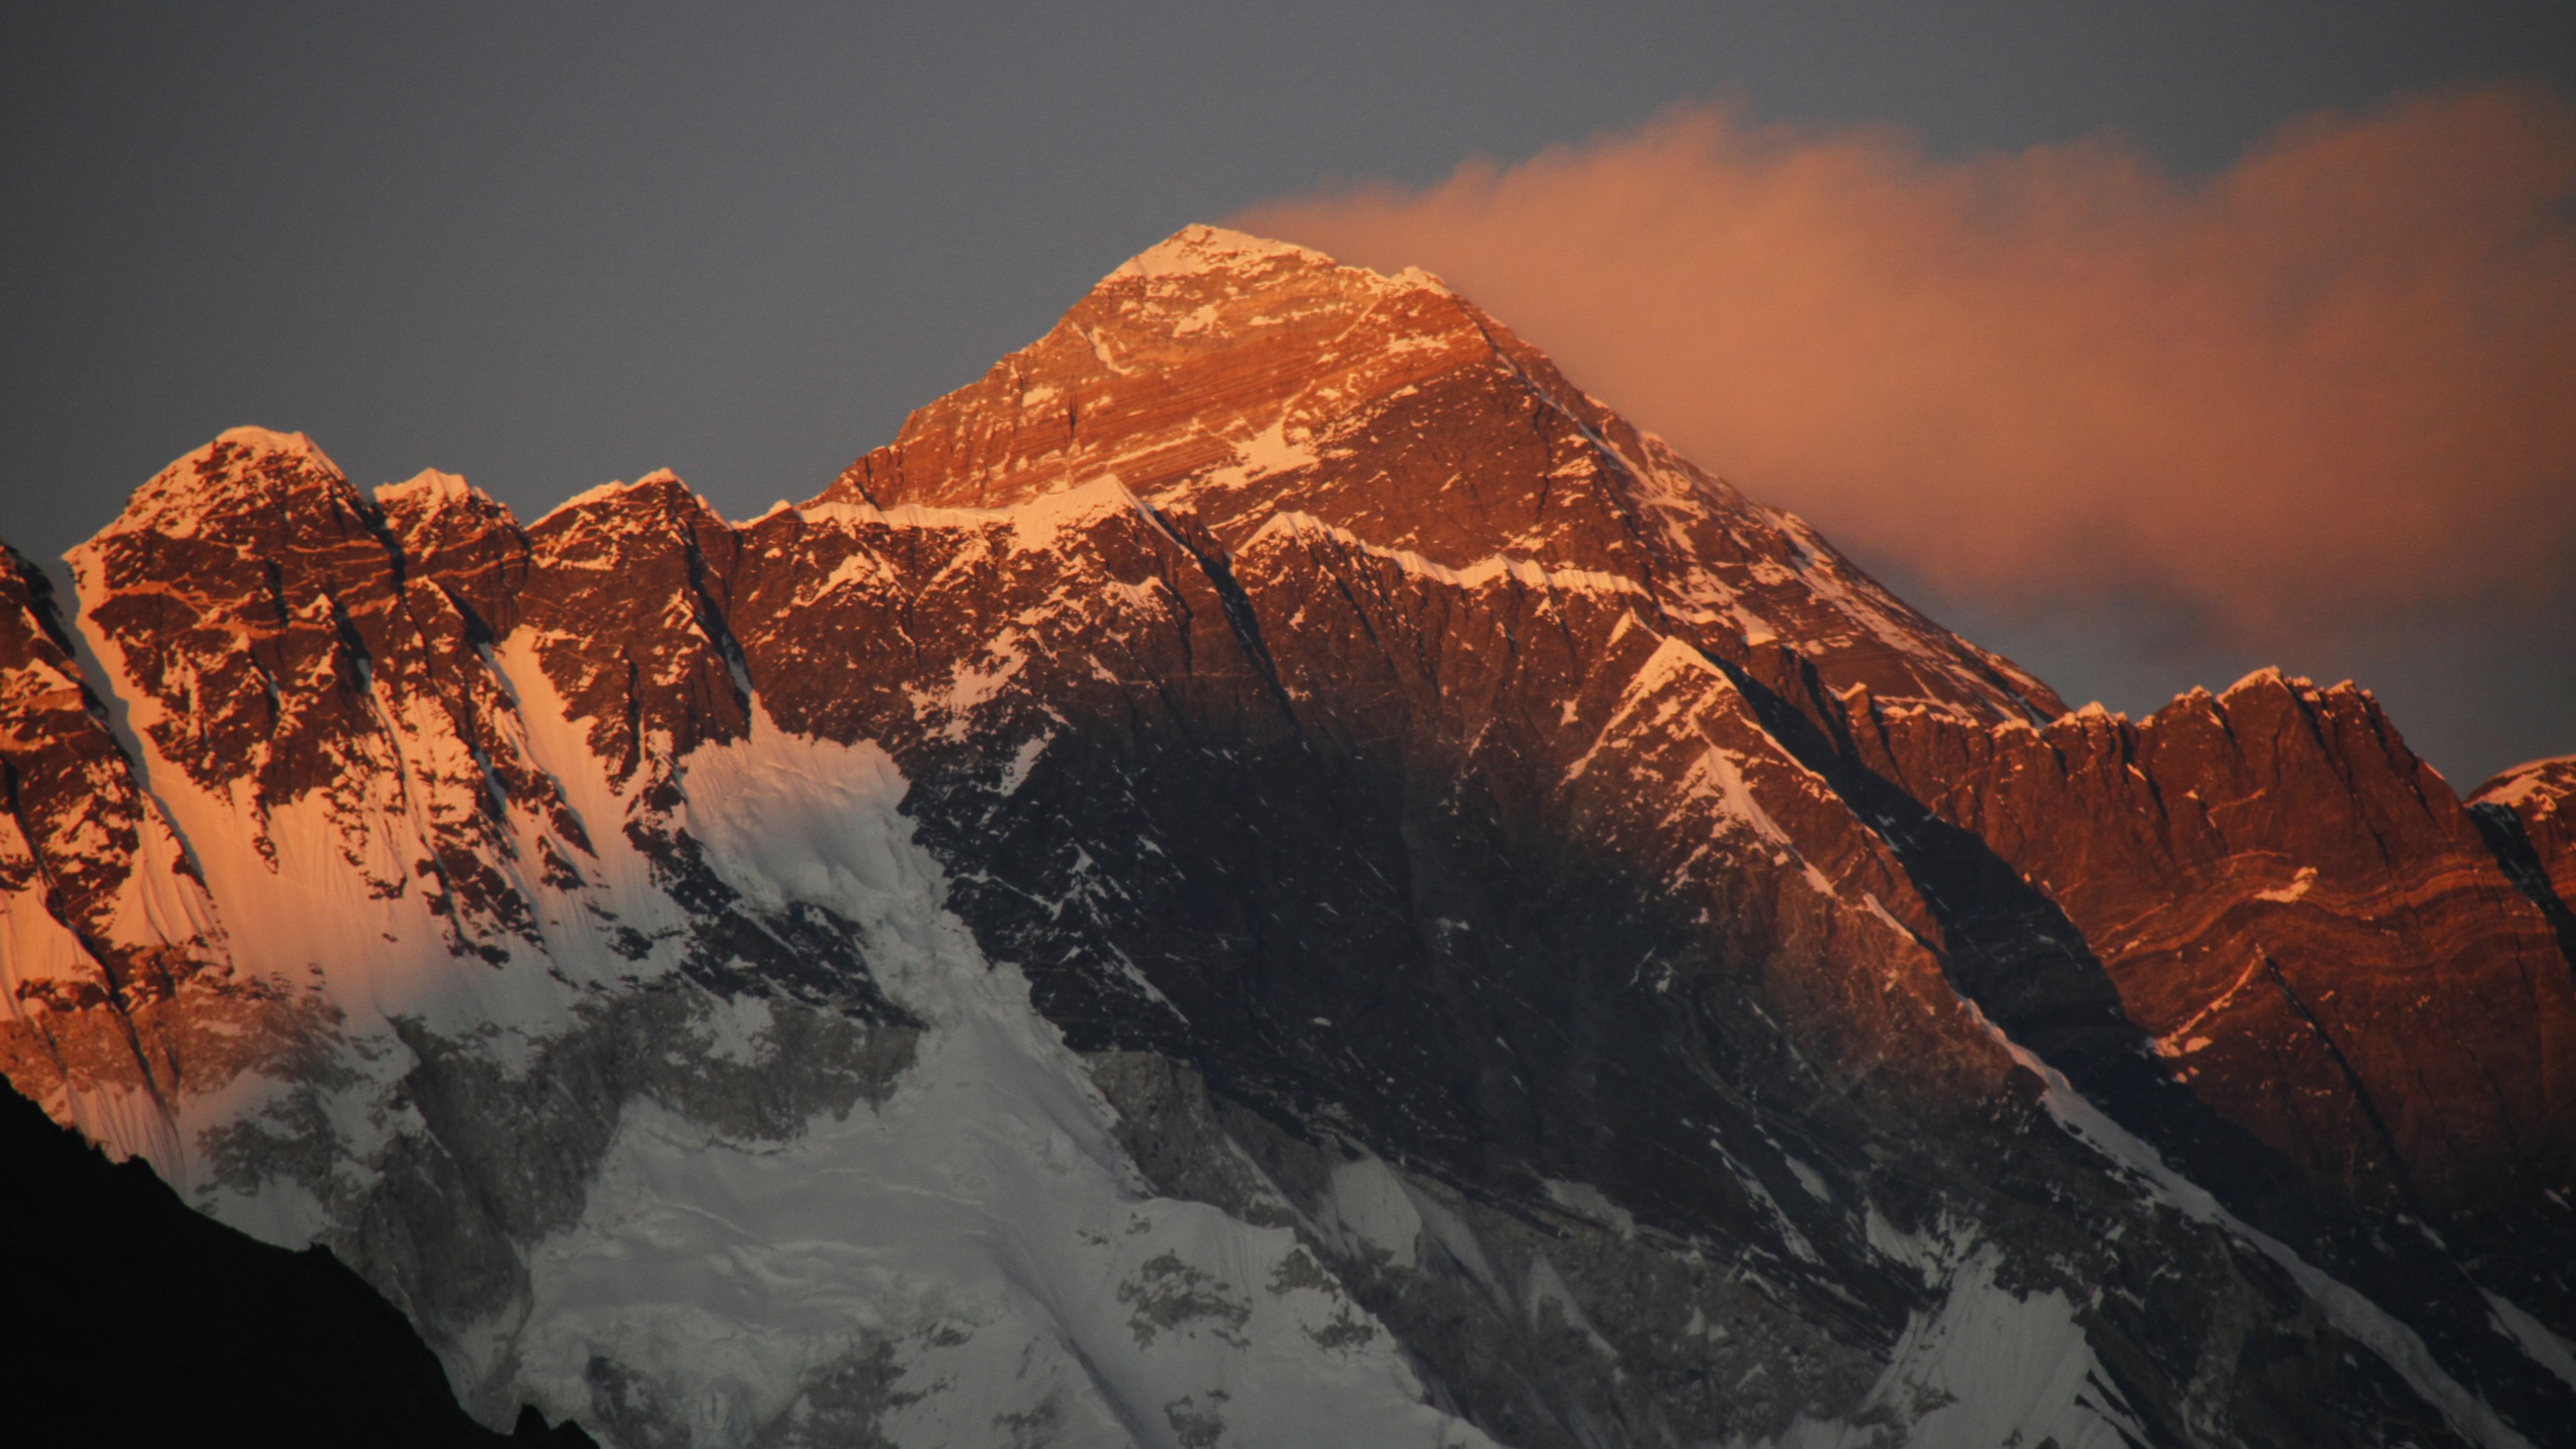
(1271, 872)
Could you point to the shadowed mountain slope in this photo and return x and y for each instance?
(1273, 872)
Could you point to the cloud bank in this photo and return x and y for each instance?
(2331, 385)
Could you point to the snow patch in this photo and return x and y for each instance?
(1369, 1203)
(2299, 886)
(1024, 760)
(608, 490)
(1590, 1204)
(2543, 1347)
(1486, 571)
(2521, 783)
(1198, 249)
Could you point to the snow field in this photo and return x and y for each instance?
(982, 1224)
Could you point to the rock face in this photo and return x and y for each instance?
(1273, 872)
(2525, 816)
(2298, 912)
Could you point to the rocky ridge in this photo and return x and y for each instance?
(2525, 816)
(1469, 923)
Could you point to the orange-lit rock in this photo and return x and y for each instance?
(1296, 767)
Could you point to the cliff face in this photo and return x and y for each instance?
(2277, 939)
(2295, 912)
(1271, 869)
(2525, 816)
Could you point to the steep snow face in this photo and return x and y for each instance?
(969, 1260)
(1991, 1366)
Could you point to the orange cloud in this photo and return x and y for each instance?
(2336, 381)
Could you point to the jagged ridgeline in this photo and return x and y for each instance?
(1274, 873)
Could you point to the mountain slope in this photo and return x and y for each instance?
(158, 1322)
(1270, 873)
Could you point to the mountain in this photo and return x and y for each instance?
(1271, 872)
(132, 1320)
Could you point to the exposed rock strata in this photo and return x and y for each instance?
(1423, 798)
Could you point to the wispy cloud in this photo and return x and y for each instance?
(2334, 382)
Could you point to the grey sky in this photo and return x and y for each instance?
(545, 246)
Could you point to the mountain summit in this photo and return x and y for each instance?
(1248, 381)
(1273, 872)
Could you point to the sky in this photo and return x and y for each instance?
(2146, 344)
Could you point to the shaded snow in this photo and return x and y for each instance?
(982, 1225)
(2400, 1346)
(1989, 1367)
(1023, 760)
(429, 485)
(2543, 1347)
